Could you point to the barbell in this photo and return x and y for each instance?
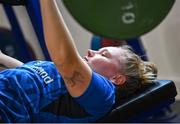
(119, 19)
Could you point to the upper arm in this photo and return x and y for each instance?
(76, 74)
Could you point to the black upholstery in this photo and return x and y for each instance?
(143, 104)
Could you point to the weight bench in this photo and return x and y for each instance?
(144, 104)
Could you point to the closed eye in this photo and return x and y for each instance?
(105, 54)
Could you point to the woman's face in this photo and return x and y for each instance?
(106, 61)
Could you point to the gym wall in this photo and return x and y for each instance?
(163, 46)
(3, 19)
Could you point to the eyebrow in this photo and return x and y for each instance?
(102, 50)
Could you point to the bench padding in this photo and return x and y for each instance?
(143, 104)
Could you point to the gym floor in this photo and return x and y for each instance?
(176, 110)
(169, 115)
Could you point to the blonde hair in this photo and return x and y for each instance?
(138, 72)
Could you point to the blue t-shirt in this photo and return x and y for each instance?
(35, 92)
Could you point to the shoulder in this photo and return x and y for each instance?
(99, 97)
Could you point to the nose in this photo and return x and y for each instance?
(91, 53)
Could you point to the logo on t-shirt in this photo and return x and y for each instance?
(40, 71)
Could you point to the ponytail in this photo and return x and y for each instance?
(148, 72)
(138, 73)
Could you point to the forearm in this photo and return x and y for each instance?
(58, 39)
(9, 62)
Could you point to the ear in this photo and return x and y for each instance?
(118, 79)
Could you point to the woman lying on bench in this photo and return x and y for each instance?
(85, 89)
